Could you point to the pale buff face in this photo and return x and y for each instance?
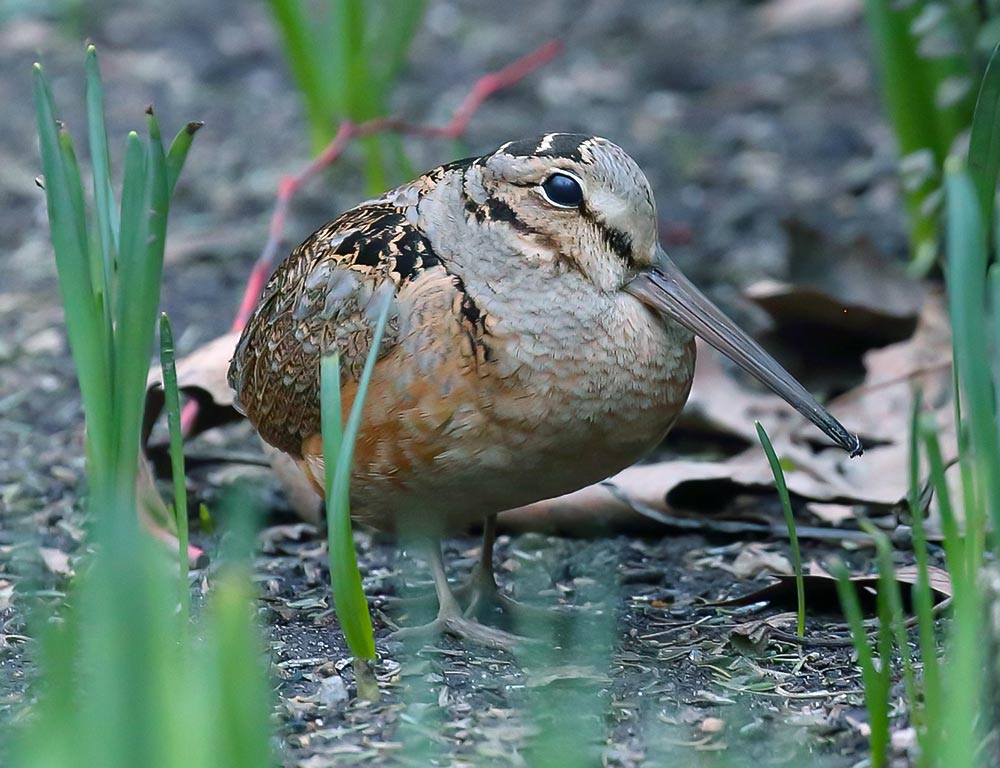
(609, 236)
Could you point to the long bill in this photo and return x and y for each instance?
(666, 291)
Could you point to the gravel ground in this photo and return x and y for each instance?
(744, 119)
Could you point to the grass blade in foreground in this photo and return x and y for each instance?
(178, 153)
(984, 140)
(107, 216)
(892, 617)
(786, 507)
(338, 454)
(172, 406)
(118, 687)
(876, 680)
(967, 263)
(908, 82)
(927, 734)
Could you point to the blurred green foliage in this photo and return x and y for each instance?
(930, 56)
(948, 704)
(346, 57)
(124, 678)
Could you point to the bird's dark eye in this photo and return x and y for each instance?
(563, 190)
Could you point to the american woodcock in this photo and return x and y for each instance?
(538, 340)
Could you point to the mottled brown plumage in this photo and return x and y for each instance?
(534, 342)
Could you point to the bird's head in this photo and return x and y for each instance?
(577, 202)
(580, 199)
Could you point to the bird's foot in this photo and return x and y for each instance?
(480, 587)
(485, 601)
(451, 621)
(482, 599)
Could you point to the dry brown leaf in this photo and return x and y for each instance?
(718, 403)
(833, 514)
(202, 375)
(939, 578)
(880, 408)
(855, 272)
(821, 590)
(6, 595)
(755, 559)
(540, 678)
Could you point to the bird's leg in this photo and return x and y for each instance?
(450, 618)
(485, 597)
(481, 588)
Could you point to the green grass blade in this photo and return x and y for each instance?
(967, 263)
(242, 721)
(930, 713)
(134, 225)
(84, 315)
(131, 347)
(876, 690)
(348, 20)
(306, 56)
(348, 593)
(332, 417)
(335, 68)
(984, 140)
(786, 507)
(883, 641)
(954, 541)
(74, 193)
(909, 82)
(894, 620)
(74, 189)
(362, 96)
(389, 36)
(964, 701)
(172, 407)
(178, 153)
(104, 197)
(392, 27)
(993, 280)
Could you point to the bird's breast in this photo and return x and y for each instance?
(604, 384)
(461, 425)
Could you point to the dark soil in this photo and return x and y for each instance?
(741, 128)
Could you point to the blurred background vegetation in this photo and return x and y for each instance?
(121, 677)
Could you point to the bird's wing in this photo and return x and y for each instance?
(324, 296)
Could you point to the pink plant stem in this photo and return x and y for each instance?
(485, 87)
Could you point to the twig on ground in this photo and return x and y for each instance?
(737, 527)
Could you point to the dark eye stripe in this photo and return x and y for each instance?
(618, 242)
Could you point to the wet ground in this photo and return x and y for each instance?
(745, 116)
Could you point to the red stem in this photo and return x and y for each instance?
(485, 87)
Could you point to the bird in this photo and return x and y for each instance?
(538, 340)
